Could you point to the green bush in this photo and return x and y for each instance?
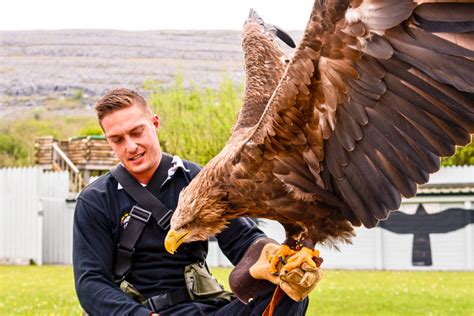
(91, 129)
(463, 156)
(12, 152)
(196, 123)
(21, 134)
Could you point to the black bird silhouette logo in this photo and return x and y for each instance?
(422, 224)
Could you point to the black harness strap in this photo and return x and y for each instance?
(139, 215)
(129, 237)
(162, 301)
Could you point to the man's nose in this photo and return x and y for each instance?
(131, 145)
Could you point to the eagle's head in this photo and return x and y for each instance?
(202, 212)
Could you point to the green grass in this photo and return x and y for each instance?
(37, 290)
(49, 290)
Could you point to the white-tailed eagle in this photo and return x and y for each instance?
(375, 92)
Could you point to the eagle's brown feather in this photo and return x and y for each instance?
(264, 63)
(371, 99)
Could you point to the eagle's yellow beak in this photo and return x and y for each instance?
(174, 239)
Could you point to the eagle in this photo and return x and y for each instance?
(374, 94)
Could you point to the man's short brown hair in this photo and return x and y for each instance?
(118, 99)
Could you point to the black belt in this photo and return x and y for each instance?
(165, 300)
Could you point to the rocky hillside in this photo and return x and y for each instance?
(35, 65)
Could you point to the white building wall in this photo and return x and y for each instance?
(469, 232)
(36, 224)
(362, 254)
(379, 248)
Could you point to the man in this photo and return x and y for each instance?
(103, 212)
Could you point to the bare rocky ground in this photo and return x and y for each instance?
(41, 67)
(36, 66)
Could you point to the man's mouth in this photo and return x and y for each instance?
(137, 156)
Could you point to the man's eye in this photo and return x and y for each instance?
(116, 140)
(138, 133)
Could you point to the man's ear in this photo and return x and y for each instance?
(156, 121)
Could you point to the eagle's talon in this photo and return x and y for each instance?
(304, 255)
(279, 257)
(282, 261)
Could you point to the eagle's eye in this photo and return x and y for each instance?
(185, 227)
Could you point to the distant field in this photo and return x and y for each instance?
(49, 290)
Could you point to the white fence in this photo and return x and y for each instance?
(35, 220)
(57, 231)
(36, 224)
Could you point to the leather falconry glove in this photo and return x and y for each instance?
(252, 277)
(299, 282)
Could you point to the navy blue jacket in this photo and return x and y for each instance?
(101, 211)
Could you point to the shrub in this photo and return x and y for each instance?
(196, 123)
(22, 133)
(91, 129)
(463, 156)
(12, 152)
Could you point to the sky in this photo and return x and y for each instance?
(149, 14)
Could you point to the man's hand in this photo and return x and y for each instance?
(260, 270)
(250, 276)
(299, 282)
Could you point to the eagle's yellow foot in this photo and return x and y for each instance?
(280, 256)
(304, 255)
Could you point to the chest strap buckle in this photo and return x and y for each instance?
(164, 222)
(140, 213)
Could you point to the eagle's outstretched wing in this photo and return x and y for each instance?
(376, 92)
(264, 62)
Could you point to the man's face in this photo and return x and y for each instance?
(132, 134)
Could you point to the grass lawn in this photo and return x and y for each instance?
(49, 290)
